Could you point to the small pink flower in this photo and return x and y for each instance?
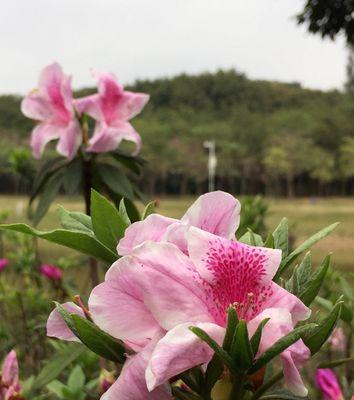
(52, 106)
(9, 383)
(327, 382)
(51, 272)
(112, 107)
(337, 340)
(4, 262)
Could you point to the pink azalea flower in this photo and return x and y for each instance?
(188, 276)
(327, 382)
(337, 340)
(4, 262)
(51, 272)
(52, 106)
(9, 382)
(112, 107)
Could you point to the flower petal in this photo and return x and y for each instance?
(292, 376)
(215, 212)
(117, 305)
(151, 228)
(41, 135)
(131, 384)
(107, 137)
(162, 267)
(56, 326)
(179, 350)
(70, 140)
(131, 104)
(9, 373)
(281, 298)
(89, 105)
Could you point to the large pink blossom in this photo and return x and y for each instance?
(327, 382)
(9, 382)
(112, 107)
(52, 106)
(189, 275)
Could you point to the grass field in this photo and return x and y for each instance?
(304, 216)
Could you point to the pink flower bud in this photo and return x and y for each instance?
(4, 262)
(327, 382)
(51, 272)
(106, 380)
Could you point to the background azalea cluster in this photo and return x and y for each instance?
(60, 115)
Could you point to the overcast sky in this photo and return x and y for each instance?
(158, 38)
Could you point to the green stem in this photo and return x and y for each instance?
(272, 381)
(237, 390)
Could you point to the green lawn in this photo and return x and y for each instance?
(305, 218)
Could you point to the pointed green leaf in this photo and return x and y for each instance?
(76, 379)
(61, 360)
(280, 345)
(251, 238)
(269, 242)
(256, 338)
(98, 341)
(241, 350)
(56, 387)
(75, 221)
(123, 213)
(219, 351)
(73, 177)
(108, 224)
(315, 339)
(281, 237)
(115, 180)
(304, 246)
(81, 241)
(213, 372)
(313, 285)
(149, 209)
(232, 321)
(336, 363)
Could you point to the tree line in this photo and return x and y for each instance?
(271, 138)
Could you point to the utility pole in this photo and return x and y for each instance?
(212, 163)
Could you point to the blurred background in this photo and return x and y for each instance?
(275, 99)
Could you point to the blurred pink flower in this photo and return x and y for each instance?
(51, 272)
(9, 382)
(52, 105)
(337, 340)
(175, 274)
(327, 382)
(106, 380)
(4, 262)
(112, 107)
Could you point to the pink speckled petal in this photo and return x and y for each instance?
(151, 228)
(179, 350)
(56, 326)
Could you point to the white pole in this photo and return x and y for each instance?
(212, 163)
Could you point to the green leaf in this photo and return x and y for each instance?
(241, 350)
(336, 363)
(66, 317)
(115, 180)
(251, 238)
(108, 225)
(313, 285)
(269, 242)
(76, 379)
(75, 221)
(46, 197)
(57, 388)
(347, 289)
(149, 209)
(61, 360)
(280, 345)
(256, 338)
(301, 275)
(232, 321)
(304, 246)
(213, 372)
(318, 336)
(81, 241)
(98, 341)
(281, 237)
(130, 162)
(219, 351)
(123, 212)
(132, 211)
(73, 177)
